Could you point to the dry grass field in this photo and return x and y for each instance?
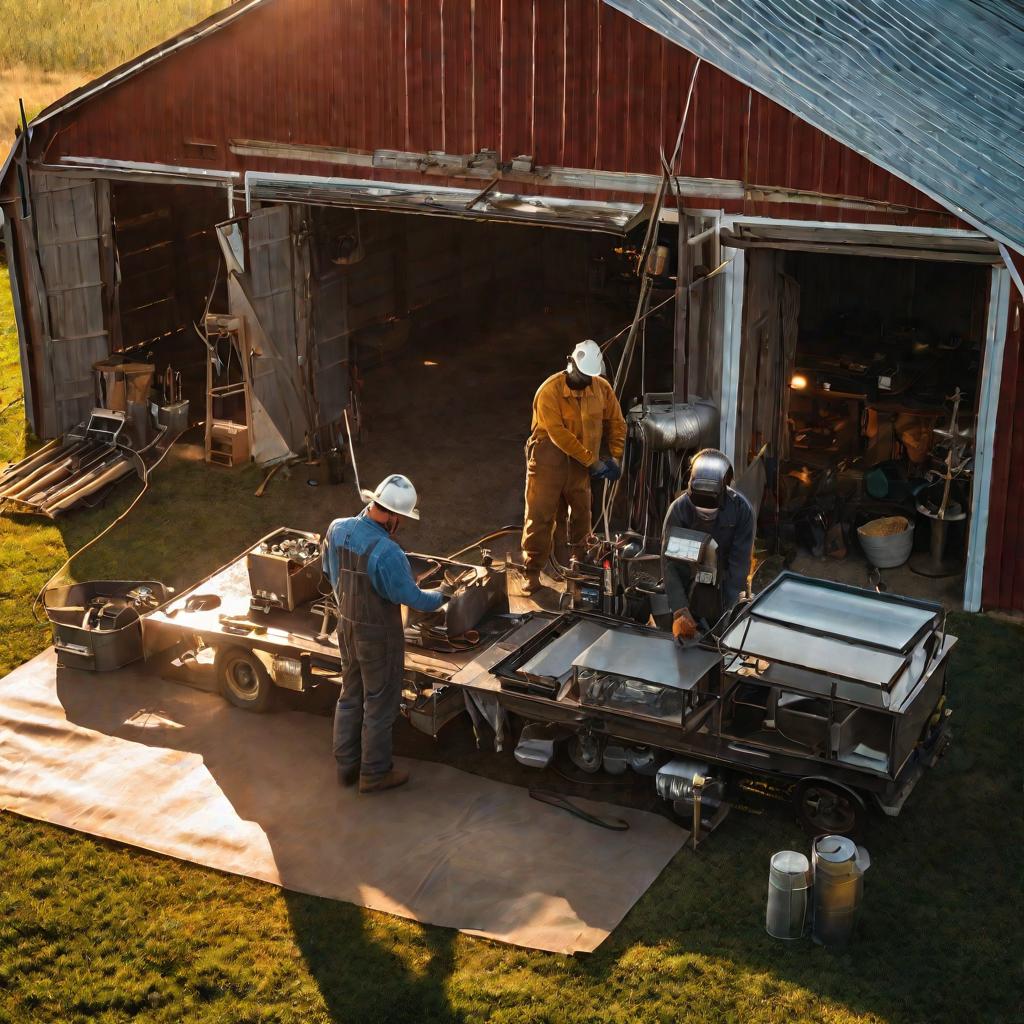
(49, 47)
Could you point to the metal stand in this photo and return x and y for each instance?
(227, 442)
(956, 465)
(934, 563)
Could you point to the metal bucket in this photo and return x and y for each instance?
(839, 866)
(886, 551)
(789, 888)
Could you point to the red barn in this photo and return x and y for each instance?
(850, 249)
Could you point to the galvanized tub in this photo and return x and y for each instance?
(839, 866)
(789, 893)
(883, 546)
(85, 638)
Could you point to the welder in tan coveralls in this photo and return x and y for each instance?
(575, 413)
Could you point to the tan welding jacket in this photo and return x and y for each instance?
(577, 421)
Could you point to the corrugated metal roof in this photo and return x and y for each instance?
(931, 90)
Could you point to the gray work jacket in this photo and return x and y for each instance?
(732, 530)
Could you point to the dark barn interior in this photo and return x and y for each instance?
(876, 354)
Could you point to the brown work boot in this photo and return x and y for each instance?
(531, 582)
(377, 783)
(348, 776)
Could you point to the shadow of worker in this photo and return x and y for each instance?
(362, 963)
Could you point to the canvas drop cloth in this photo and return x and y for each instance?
(133, 758)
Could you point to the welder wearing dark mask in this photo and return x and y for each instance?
(708, 505)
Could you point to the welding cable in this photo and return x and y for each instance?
(147, 472)
(503, 532)
(546, 796)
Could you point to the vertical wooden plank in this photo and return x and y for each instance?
(423, 59)
(611, 83)
(457, 48)
(549, 96)
(581, 96)
(643, 103)
(517, 77)
(486, 47)
(1003, 581)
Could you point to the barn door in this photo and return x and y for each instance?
(265, 287)
(72, 217)
(330, 325)
(770, 315)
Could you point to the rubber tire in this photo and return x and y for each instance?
(852, 808)
(227, 661)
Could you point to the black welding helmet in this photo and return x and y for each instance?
(710, 475)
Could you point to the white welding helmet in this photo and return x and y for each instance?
(395, 493)
(588, 359)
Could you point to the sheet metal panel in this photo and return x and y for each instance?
(569, 82)
(948, 116)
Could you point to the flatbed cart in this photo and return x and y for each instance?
(839, 693)
(267, 617)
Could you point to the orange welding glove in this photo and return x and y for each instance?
(683, 625)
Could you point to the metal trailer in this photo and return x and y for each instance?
(268, 619)
(789, 691)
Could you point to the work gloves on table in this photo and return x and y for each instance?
(684, 626)
(606, 469)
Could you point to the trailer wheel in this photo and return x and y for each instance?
(243, 680)
(826, 808)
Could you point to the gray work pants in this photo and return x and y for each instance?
(371, 691)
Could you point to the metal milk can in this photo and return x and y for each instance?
(789, 890)
(839, 866)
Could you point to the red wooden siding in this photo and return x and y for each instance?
(569, 82)
(1003, 585)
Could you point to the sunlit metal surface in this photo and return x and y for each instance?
(929, 91)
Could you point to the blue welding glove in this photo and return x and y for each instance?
(599, 469)
(612, 469)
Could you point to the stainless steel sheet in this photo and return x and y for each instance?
(855, 615)
(555, 661)
(652, 659)
(833, 657)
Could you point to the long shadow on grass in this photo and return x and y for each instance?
(361, 962)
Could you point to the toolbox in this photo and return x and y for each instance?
(284, 571)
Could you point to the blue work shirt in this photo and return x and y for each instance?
(389, 570)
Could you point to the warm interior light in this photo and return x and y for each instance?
(799, 382)
(429, 362)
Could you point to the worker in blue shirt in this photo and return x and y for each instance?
(372, 579)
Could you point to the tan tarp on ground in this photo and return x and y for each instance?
(133, 758)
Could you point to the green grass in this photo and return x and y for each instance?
(92, 931)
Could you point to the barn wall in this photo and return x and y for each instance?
(571, 83)
(1003, 585)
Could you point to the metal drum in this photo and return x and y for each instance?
(789, 885)
(839, 866)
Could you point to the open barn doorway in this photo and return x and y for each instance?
(862, 375)
(452, 326)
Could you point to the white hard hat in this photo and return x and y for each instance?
(395, 493)
(588, 359)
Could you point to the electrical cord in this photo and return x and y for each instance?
(146, 474)
(503, 532)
